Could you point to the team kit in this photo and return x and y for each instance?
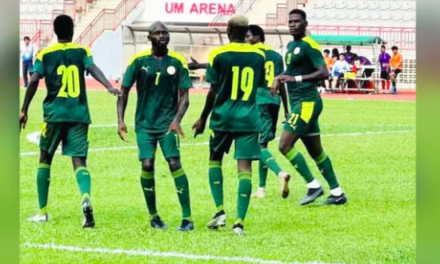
(249, 81)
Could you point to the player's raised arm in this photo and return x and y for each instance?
(30, 92)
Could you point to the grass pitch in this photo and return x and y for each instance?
(371, 144)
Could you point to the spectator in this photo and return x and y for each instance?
(329, 62)
(396, 65)
(27, 56)
(335, 54)
(349, 55)
(364, 61)
(384, 61)
(339, 68)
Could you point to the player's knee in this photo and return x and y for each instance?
(148, 165)
(284, 147)
(174, 164)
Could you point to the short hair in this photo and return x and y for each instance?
(348, 47)
(327, 51)
(299, 12)
(154, 26)
(238, 21)
(63, 26)
(257, 31)
(383, 47)
(26, 38)
(394, 48)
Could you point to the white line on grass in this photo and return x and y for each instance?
(150, 253)
(352, 134)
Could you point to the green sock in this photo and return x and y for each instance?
(325, 167)
(149, 190)
(182, 187)
(270, 161)
(262, 173)
(43, 182)
(216, 183)
(84, 182)
(298, 161)
(244, 194)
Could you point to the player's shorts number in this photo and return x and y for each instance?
(270, 72)
(247, 82)
(70, 82)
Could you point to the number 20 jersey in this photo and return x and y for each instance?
(63, 66)
(238, 70)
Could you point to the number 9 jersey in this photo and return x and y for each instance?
(63, 66)
(238, 70)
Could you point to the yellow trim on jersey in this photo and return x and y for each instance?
(312, 43)
(139, 55)
(179, 57)
(307, 111)
(62, 46)
(261, 45)
(234, 47)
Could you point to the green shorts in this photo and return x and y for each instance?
(147, 143)
(73, 137)
(303, 118)
(269, 119)
(247, 146)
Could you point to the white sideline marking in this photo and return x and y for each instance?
(150, 253)
(352, 134)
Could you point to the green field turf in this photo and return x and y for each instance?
(372, 146)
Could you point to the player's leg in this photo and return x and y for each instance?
(170, 145)
(335, 81)
(314, 147)
(25, 69)
(147, 144)
(219, 143)
(76, 144)
(247, 149)
(49, 141)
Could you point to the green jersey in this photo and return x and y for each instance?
(238, 70)
(303, 57)
(63, 66)
(274, 67)
(158, 82)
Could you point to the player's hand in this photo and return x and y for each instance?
(122, 131)
(175, 126)
(194, 61)
(23, 120)
(114, 91)
(285, 78)
(199, 127)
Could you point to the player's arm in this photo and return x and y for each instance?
(30, 93)
(98, 75)
(127, 82)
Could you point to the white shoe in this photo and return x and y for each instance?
(39, 218)
(219, 220)
(238, 230)
(260, 193)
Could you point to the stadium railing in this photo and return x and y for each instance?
(107, 19)
(241, 7)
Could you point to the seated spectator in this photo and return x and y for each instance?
(329, 62)
(396, 67)
(339, 68)
(349, 55)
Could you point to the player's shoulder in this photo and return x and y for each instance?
(180, 58)
(63, 47)
(235, 48)
(310, 42)
(139, 55)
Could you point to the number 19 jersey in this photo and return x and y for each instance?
(63, 66)
(238, 70)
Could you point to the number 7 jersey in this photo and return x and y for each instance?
(63, 66)
(238, 70)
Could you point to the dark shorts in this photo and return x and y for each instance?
(72, 136)
(396, 72)
(247, 146)
(147, 143)
(303, 119)
(269, 119)
(384, 75)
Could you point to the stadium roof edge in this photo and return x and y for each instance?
(192, 29)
